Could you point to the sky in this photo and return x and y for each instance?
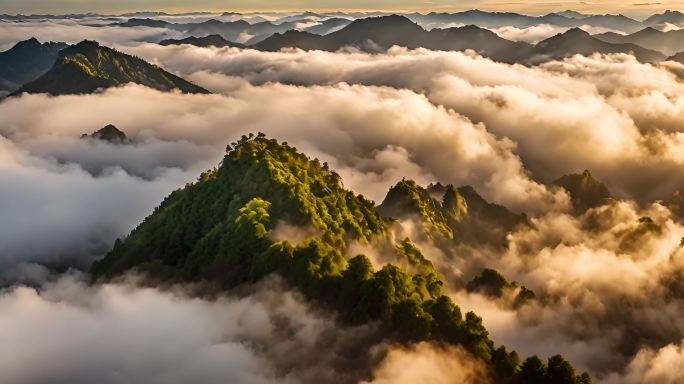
(637, 8)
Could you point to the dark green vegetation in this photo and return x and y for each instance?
(586, 192)
(109, 133)
(26, 61)
(87, 67)
(206, 41)
(220, 229)
(459, 214)
(491, 283)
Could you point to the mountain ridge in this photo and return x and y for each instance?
(26, 61)
(88, 66)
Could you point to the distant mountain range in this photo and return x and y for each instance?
(379, 33)
(251, 29)
(88, 66)
(206, 41)
(26, 61)
(55, 68)
(568, 19)
(577, 41)
(668, 43)
(667, 17)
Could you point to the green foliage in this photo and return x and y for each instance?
(505, 363)
(491, 283)
(556, 371)
(218, 230)
(450, 213)
(224, 218)
(426, 278)
(407, 197)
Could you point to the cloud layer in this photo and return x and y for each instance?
(145, 335)
(607, 280)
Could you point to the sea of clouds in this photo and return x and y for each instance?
(608, 289)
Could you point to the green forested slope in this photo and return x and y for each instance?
(220, 229)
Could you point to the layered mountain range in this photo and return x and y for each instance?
(379, 33)
(55, 68)
(325, 22)
(374, 34)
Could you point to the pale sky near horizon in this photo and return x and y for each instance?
(638, 8)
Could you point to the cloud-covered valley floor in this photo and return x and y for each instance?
(608, 285)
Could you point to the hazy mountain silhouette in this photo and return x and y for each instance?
(671, 17)
(26, 61)
(328, 25)
(380, 33)
(668, 43)
(568, 19)
(206, 41)
(577, 41)
(570, 14)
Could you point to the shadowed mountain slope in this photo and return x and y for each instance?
(26, 61)
(88, 66)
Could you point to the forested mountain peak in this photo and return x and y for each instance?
(459, 214)
(221, 230)
(256, 173)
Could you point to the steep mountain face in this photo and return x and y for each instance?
(26, 61)
(206, 41)
(576, 41)
(87, 67)
(226, 229)
(586, 192)
(458, 214)
(668, 43)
